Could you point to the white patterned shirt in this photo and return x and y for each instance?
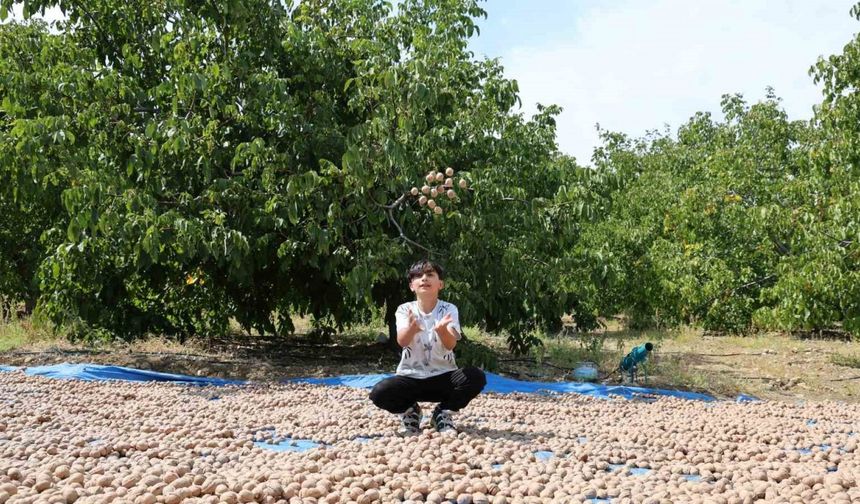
(426, 356)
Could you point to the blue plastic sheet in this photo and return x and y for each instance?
(635, 471)
(503, 385)
(544, 455)
(822, 447)
(96, 372)
(289, 445)
(352, 381)
(743, 398)
(495, 383)
(282, 444)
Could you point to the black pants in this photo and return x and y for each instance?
(452, 390)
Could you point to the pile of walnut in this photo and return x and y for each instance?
(67, 441)
(430, 195)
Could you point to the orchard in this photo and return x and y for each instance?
(173, 167)
(167, 167)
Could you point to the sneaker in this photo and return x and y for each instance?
(410, 420)
(441, 420)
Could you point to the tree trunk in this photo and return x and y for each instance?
(391, 322)
(29, 305)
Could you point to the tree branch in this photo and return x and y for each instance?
(102, 32)
(729, 292)
(402, 235)
(399, 201)
(508, 198)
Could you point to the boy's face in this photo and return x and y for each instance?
(428, 283)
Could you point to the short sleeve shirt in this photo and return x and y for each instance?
(426, 356)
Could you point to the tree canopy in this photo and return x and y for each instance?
(167, 166)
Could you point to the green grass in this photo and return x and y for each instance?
(362, 334)
(603, 348)
(29, 332)
(12, 336)
(17, 333)
(852, 361)
(568, 352)
(672, 371)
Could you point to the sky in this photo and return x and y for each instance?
(639, 65)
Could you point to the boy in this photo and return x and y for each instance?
(428, 330)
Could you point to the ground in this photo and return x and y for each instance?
(768, 366)
(148, 443)
(772, 366)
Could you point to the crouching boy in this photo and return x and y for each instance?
(427, 330)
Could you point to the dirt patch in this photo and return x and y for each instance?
(774, 367)
(263, 361)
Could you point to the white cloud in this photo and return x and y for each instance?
(634, 65)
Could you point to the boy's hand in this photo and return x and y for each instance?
(447, 336)
(405, 335)
(442, 326)
(414, 327)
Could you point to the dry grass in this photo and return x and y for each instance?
(161, 344)
(852, 361)
(776, 366)
(771, 366)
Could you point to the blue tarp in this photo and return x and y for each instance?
(742, 398)
(289, 445)
(544, 455)
(502, 385)
(495, 383)
(91, 372)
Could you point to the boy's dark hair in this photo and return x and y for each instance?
(425, 266)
